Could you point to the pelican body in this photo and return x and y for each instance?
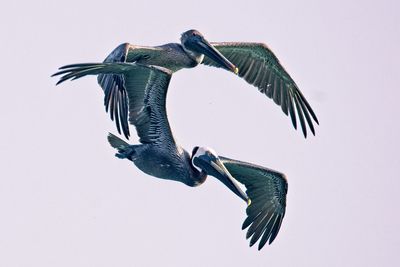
(135, 81)
(159, 154)
(254, 62)
(172, 56)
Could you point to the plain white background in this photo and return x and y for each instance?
(65, 200)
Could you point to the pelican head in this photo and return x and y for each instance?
(206, 160)
(197, 46)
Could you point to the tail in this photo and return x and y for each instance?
(124, 150)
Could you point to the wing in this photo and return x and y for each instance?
(260, 67)
(142, 95)
(267, 191)
(147, 109)
(112, 84)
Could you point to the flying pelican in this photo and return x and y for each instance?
(254, 62)
(159, 155)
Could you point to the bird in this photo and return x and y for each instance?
(159, 155)
(254, 62)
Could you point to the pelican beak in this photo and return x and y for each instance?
(204, 47)
(214, 166)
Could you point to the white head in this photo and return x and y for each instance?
(206, 160)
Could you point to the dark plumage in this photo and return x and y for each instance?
(255, 61)
(145, 89)
(260, 67)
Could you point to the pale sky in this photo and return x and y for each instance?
(65, 200)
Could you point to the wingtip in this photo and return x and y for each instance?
(63, 67)
(248, 235)
(127, 135)
(56, 74)
(252, 243)
(246, 223)
(304, 130)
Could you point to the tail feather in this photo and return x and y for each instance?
(124, 149)
(116, 142)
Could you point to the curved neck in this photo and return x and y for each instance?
(198, 177)
(195, 177)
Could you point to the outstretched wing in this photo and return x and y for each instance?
(267, 191)
(260, 67)
(147, 109)
(113, 84)
(143, 95)
(114, 91)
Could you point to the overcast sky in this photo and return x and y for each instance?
(65, 200)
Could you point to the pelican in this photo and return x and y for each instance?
(254, 62)
(159, 154)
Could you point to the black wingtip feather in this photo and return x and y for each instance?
(300, 115)
(108, 85)
(116, 111)
(123, 113)
(305, 112)
(304, 100)
(291, 111)
(77, 65)
(268, 231)
(276, 229)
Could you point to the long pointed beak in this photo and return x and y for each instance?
(208, 50)
(215, 167)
